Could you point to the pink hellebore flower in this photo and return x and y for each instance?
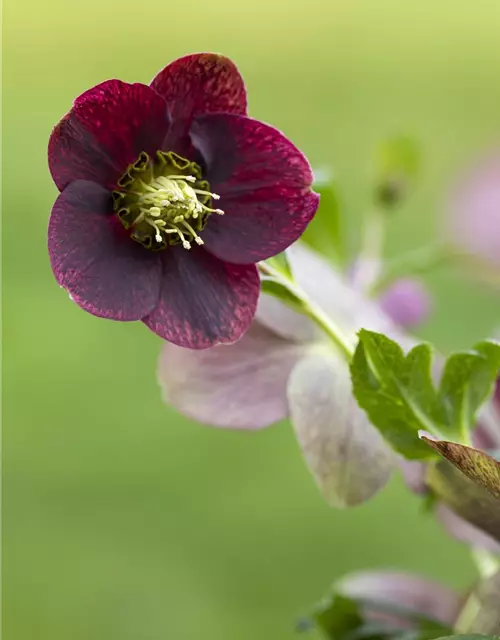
(285, 366)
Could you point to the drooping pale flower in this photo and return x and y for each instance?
(285, 366)
(169, 196)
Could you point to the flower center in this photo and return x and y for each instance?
(164, 201)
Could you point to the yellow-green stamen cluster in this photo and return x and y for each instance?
(164, 202)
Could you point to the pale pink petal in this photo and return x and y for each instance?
(415, 594)
(414, 475)
(465, 531)
(240, 386)
(347, 456)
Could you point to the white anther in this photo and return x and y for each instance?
(198, 240)
(219, 212)
(215, 196)
(186, 244)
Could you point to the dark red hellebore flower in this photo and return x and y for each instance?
(169, 196)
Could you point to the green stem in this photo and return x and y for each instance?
(312, 310)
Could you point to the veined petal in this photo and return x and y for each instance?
(197, 84)
(201, 83)
(106, 273)
(238, 386)
(264, 183)
(105, 131)
(347, 456)
(203, 301)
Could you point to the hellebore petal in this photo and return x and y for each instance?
(239, 386)
(105, 131)
(203, 301)
(473, 211)
(264, 184)
(346, 454)
(413, 594)
(94, 260)
(464, 531)
(200, 83)
(406, 302)
(284, 322)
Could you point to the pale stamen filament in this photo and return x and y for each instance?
(196, 237)
(156, 224)
(219, 212)
(215, 196)
(185, 243)
(187, 178)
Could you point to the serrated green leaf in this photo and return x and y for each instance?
(419, 362)
(383, 380)
(467, 381)
(398, 393)
(324, 232)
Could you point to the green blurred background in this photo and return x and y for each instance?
(123, 520)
